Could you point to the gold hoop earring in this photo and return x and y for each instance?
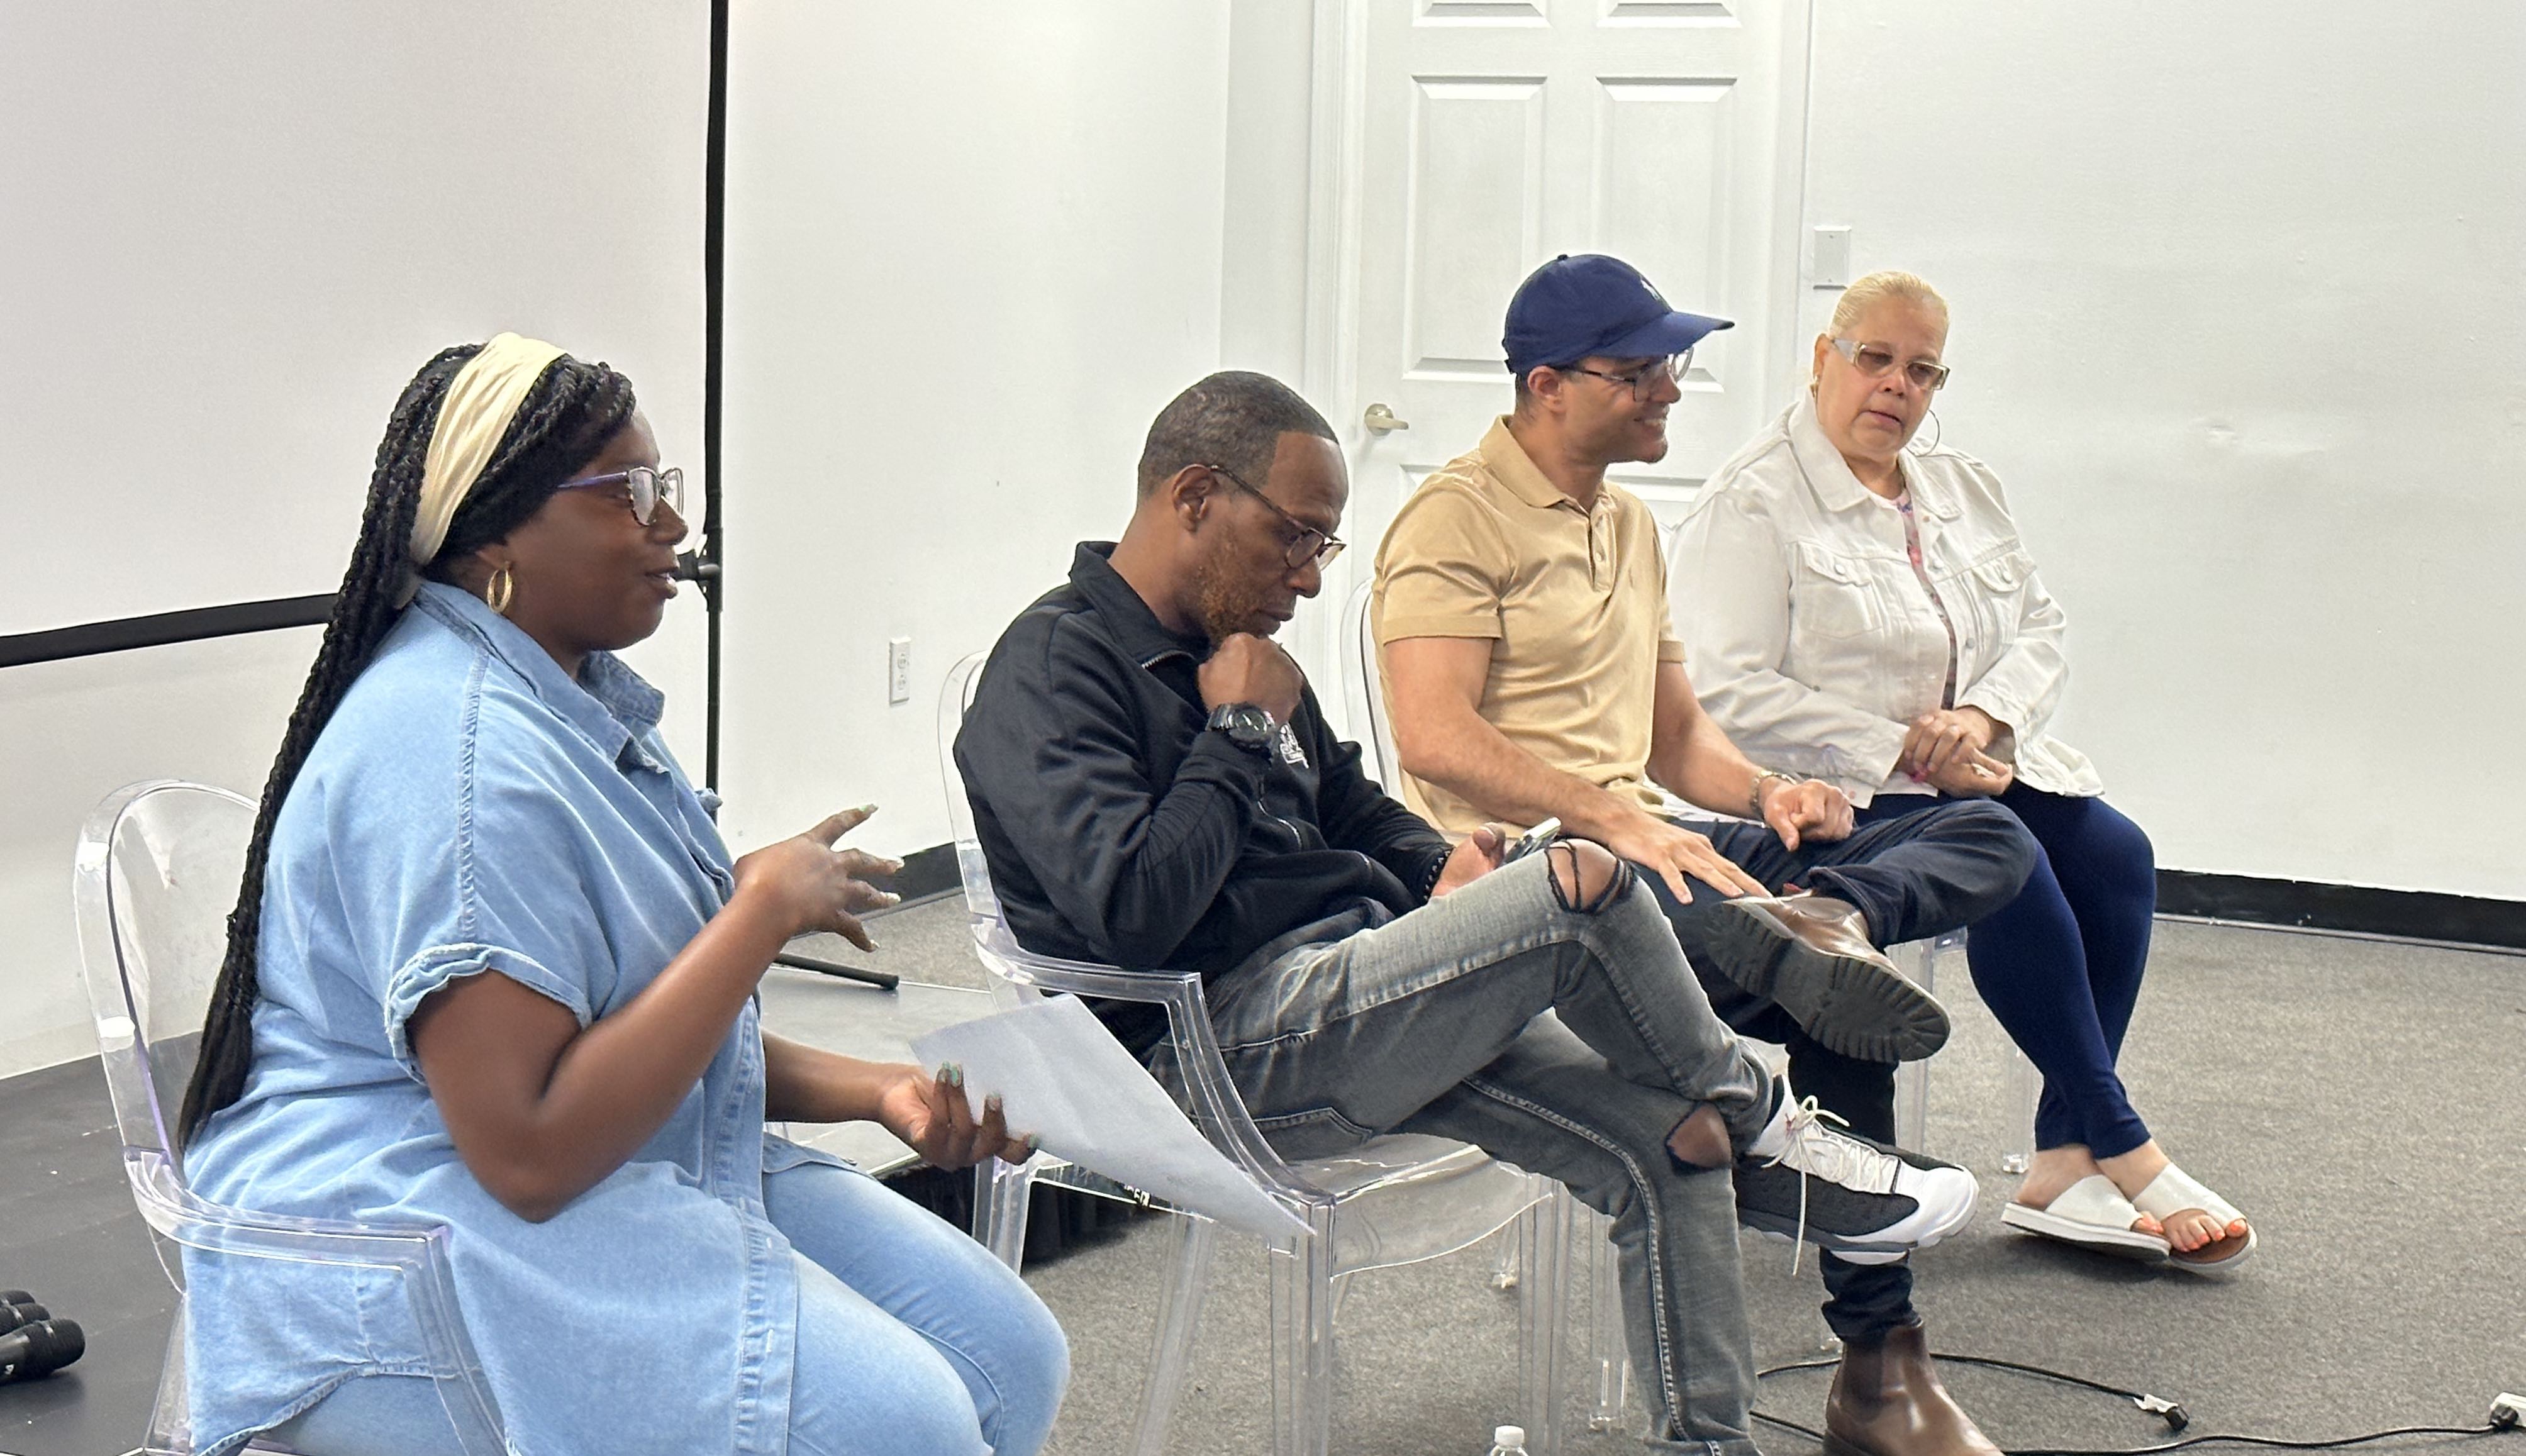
(501, 591)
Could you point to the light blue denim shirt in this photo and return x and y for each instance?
(472, 808)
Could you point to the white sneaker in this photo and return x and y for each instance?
(1867, 1202)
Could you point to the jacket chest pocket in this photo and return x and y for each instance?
(1833, 596)
(1998, 584)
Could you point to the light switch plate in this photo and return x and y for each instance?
(1832, 267)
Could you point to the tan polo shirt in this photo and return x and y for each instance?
(1573, 602)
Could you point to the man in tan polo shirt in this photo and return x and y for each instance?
(1531, 671)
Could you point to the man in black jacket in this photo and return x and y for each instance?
(1154, 786)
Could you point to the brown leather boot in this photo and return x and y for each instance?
(1809, 955)
(1886, 1401)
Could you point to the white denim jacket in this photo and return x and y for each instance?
(1807, 635)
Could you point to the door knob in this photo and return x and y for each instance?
(1380, 420)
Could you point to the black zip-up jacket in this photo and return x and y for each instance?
(1120, 829)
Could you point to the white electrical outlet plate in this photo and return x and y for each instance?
(898, 670)
(1832, 267)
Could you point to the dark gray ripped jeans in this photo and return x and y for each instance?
(1434, 1022)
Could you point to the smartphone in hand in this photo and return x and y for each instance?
(1533, 839)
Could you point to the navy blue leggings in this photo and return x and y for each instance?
(2060, 965)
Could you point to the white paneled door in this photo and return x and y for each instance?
(1481, 138)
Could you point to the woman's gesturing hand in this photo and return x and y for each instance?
(817, 885)
(932, 1117)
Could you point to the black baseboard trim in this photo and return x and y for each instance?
(2300, 904)
(2355, 909)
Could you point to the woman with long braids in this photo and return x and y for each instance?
(492, 967)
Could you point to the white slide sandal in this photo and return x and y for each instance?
(2174, 1191)
(2093, 1214)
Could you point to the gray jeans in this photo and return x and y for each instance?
(1435, 1023)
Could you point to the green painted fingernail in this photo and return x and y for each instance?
(991, 1103)
(1035, 1142)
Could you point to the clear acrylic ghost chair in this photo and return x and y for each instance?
(1363, 687)
(157, 872)
(1607, 1359)
(1364, 698)
(1394, 1200)
(2020, 1086)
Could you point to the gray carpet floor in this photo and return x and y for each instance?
(2363, 1101)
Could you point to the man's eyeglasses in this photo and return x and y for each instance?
(1642, 381)
(644, 486)
(1874, 359)
(1308, 545)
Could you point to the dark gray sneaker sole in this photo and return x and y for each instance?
(1858, 1007)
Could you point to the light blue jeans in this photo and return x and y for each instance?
(912, 1339)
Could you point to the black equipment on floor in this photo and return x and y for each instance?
(2507, 1416)
(39, 1349)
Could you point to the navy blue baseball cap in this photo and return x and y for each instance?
(1573, 307)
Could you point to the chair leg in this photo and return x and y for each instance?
(1000, 1193)
(1608, 1356)
(1178, 1322)
(1912, 1105)
(1544, 1265)
(1505, 1265)
(1919, 960)
(2025, 1088)
(170, 1420)
(1302, 1344)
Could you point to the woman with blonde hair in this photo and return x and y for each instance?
(1869, 615)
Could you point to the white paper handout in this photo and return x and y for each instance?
(1062, 1077)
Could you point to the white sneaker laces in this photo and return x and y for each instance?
(1816, 1150)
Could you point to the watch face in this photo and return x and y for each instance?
(1247, 724)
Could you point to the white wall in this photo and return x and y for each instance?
(971, 252)
(2237, 318)
(232, 234)
(1263, 271)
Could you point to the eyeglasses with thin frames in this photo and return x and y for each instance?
(1642, 381)
(1309, 545)
(1875, 360)
(643, 486)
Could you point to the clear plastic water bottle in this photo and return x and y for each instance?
(1508, 1440)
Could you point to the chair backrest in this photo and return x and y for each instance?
(954, 698)
(157, 874)
(1017, 974)
(1364, 686)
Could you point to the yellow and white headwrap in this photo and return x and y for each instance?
(475, 414)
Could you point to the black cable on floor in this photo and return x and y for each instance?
(2166, 1410)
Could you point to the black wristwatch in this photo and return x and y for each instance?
(1247, 726)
